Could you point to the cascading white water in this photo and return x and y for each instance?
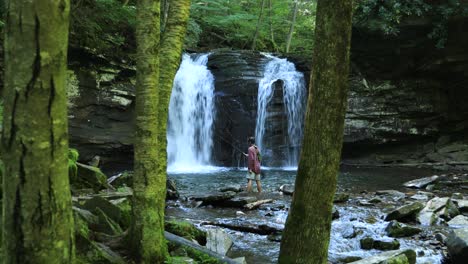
(191, 113)
(294, 96)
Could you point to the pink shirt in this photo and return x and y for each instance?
(253, 162)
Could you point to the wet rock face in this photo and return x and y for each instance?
(403, 95)
(101, 104)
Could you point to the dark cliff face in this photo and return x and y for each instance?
(407, 102)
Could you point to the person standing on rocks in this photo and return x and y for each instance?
(253, 165)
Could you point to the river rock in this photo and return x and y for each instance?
(218, 240)
(239, 202)
(395, 229)
(395, 257)
(421, 183)
(434, 209)
(457, 245)
(215, 198)
(340, 198)
(232, 188)
(396, 195)
(335, 213)
(370, 243)
(287, 189)
(422, 196)
(405, 213)
(460, 221)
(462, 205)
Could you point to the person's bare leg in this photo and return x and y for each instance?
(259, 186)
(249, 185)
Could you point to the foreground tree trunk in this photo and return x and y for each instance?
(307, 231)
(291, 27)
(171, 52)
(147, 230)
(37, 220)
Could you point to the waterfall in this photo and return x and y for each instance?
(294, 99)
(191, 114)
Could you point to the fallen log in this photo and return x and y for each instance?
(184, 242)
(256, 204)
(260, 229)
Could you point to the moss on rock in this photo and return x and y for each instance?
(186, 230)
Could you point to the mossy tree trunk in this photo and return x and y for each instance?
(172, 42)
(147, 228)
(307, 231)
(158, 57)
(37, 221)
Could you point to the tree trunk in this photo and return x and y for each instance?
(147, 230)
(307, 231)
(37, 220)
(291, 28)
(257, 29)
(171, 53)
(272, 35)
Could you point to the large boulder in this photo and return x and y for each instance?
(457, 245)
(460, 221)
(218, 241)
(395, 229)
(186, 230)
(435, 208)
(287, 189)
(405, 213)
(405, 256)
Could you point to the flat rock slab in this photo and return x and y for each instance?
(239, 202)
(421, 183)
(460, 221)
(214, 198)
(457, 245)
(218, 240)
(396, 195)
(232, 188)
(389, 256)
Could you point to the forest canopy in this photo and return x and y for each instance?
(108, 26)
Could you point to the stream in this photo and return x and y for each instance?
(355, 222)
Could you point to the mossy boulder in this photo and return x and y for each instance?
(111, 210)
(125, 206)
(186, 230)
(395, 229)
(370, 243)
(405, 213)
(106, 225)
(89, 177)
(340, 198)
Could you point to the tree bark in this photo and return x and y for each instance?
(307, 231)
(171, 53)
(147, 230)
(38, 220)
(257, 29)
(291, 28)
